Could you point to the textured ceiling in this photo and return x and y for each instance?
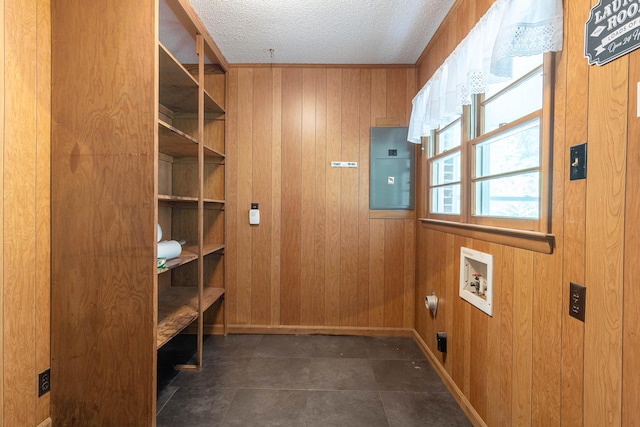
(322, 31)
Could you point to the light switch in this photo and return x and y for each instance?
(578, 159)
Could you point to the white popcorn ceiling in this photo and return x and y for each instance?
(322, 31)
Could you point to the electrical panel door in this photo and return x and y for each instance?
(391, 183)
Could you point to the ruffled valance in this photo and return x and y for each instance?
(509, 29)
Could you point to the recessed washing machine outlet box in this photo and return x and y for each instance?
(476, 279)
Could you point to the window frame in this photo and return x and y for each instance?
(529, 229)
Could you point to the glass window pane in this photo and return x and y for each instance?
(517, 102)
(446, 200)
(510, 151)
(513, 197)
(446, 169)
(521, 66)
(450, 137)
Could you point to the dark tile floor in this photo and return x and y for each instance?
(302, 380)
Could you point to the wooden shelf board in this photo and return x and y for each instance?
(175, 143)
(176, 199)
(215, 248)
(189, 253)
(210, 104)
(178, 307)
(210, 153)
(178, 89)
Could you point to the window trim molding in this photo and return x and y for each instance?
(529, 240)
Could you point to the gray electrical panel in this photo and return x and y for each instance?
(392, 169)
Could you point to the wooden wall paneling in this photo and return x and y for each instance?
(547, 339)
(460, 315)
(479, 351)
(608, 90)
(291, 195)
(93, 215)
(2, 148)
(440, 270)
(523, 284)
(276, 194)
(494, 339)
(393, 273)
(333, 186)
(363, 197)
(420, 313)
(43, 201)
(231, 201)
(19, 226)
(549, 282)
(408, 309)
(410, 92)
(378, 93)
(631, 336)
(349, 197)
(396, 94)
(261, 193)
(320, 220)
(465, 20)
(482, 6)
(431, 282)
(244, 182)
(575, 71)
(308, 161)
(448, 296)
(376, 272)
(507, 359)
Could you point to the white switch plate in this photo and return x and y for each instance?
(254, 216)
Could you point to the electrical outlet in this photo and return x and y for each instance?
(44, 382)
(441, 338)
(577, 300)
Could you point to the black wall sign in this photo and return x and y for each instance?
(613, 30)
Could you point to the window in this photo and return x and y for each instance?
(445, 167)
(489, 166)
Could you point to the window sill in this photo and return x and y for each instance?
(530, 240)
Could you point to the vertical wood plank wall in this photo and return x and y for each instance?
(317, 261)
(25, 141)
(531, 363)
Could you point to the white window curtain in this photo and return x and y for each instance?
(510, 28)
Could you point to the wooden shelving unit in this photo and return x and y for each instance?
(191, 178)
(138, 140)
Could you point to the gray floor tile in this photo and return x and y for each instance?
(392, 348)
(342, 374)
(284, 346)
(406, 409)
(329, 346)
(277, 373)
(345, 408)
(251, 407)
(302, 380)
(195, 407)
(230, 346)
(223, 373)
(406, 375)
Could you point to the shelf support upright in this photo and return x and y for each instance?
(201, 136)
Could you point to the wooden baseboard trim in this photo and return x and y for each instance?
(320, 330)
(206, 330)
(457, 394)
(46, 423)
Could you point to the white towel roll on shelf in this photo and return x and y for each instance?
(169, 249)
(159, 233)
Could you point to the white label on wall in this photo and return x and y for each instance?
(344, 164)
(391, 180)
